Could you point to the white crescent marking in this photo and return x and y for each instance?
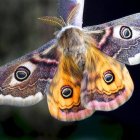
(134, 60)
(19, 101)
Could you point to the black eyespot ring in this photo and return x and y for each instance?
(125, 32)
(66, 92)
(108, 77)
(22, 73)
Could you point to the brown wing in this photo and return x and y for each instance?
(26, 80)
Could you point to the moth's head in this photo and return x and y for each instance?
(70, 36)
(67, 29)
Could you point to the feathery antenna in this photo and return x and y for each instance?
(55, 21)
(72, 14)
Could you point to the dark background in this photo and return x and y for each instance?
(21, 32)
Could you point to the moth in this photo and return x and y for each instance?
(80, 71)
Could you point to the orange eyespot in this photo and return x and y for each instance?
(66, 92)
(109, 77)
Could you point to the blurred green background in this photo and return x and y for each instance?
(21, 32)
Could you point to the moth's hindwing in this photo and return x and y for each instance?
(106, 83)
(64, 97)
(26, 80)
